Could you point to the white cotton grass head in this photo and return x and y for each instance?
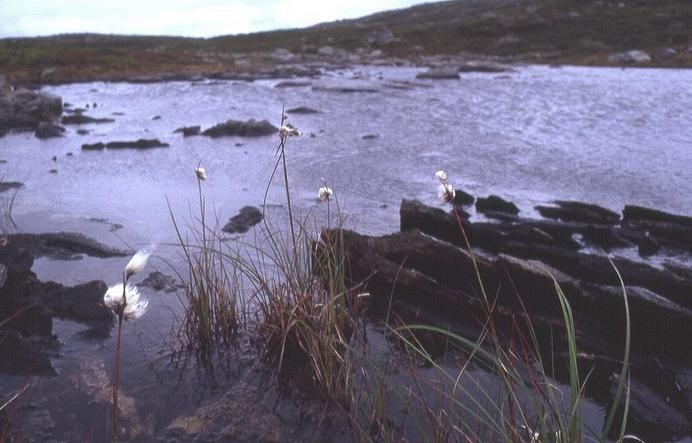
(446, 193)
(127, 303)
(325, 193)
(137, 263)
(201, 173)
(288, 131)
(441, 176)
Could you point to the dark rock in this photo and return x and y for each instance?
(83, 131)
(156, 117)
(463, 198)
(6, 186)
(432, 221)
(648, 246)
(137, 144)
(439, 74)
(636, 214)
(497, 204)
(579, 212)
(250, 128)
(650, 417)
(53, 171)
(49, 130)
(81, 119)
(370, 137)
(656, 323)
(94, 146)
(671, 235)
(303, 110)
(189, 131)
(247, 217)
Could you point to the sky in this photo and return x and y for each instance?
(194, 18)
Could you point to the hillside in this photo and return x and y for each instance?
(539, 31)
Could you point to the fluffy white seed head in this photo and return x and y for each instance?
(441, 176)
(288, 131)
(127, 302)
(137, 263)
(446, 193)
(325, 193)
(201, 173)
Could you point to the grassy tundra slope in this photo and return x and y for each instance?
(545, 31)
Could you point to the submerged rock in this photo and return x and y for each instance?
(81, 119)
(247, 217)
(346, 86)
(6, 186)
(250, 128)
(439, 74)
(189, 131)
(159, 281)
(303, 110)
(293, 84)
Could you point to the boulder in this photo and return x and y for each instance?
(494, 203)
(462, 198)
(23, 109)
(630, 57)
(250, 128)
(247, 217)
(380, 37)
(49, 130)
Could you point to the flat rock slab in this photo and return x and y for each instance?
(142, 143)
(246, 218)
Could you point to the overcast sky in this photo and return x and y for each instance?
(199, 18)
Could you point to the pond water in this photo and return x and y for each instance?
(607, 136)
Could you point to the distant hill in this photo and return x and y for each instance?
(543, 31)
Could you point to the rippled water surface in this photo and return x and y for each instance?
(608, 136)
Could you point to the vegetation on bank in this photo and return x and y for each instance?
(584, 32)
(291, 293)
